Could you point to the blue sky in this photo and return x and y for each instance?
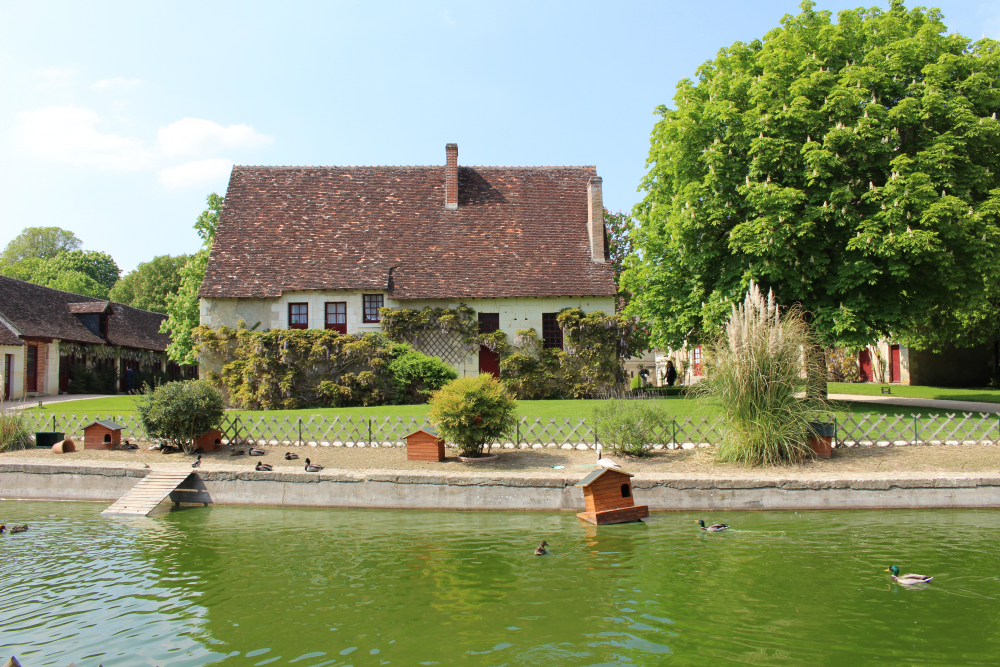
(117, 119)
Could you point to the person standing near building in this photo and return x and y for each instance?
(671, 373)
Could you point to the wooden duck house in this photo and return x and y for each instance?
(211, 441)
(608, 497)
(104, 434)
(424, 445)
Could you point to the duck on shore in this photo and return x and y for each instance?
(197, 463)
(290, 457)
(714, 528)
(605, 463)
(257, 452)
(263, 467)
(908, 579)
(312, 467)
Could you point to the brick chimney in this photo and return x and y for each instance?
(595, 219)
(451, 176)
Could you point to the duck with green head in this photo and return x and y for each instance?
(714, 528)
(908, 579)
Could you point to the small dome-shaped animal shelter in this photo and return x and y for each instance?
(608, 496)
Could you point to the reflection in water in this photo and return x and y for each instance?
(255, 586)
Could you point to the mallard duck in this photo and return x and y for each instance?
(237, 452)
(23, 528)
(908, 579)
(540, 551)
(714, 528)
(312, 467)
(603, 462)
(290, 457)
(197, 463)
(261, 466)
(3, 529)
(257, 452)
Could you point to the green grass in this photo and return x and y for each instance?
(945, 393)
(676, 407)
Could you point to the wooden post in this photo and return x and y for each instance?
(300, 431)
(673, 432)
(369, 431)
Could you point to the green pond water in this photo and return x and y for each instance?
(237, 586)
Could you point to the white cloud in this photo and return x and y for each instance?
(198, 172)
(116, 82)
(194, 136)
(71, 135)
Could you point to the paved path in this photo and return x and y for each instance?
(940, 404)
(46, 400)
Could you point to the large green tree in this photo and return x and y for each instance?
(148, 286)
(183, 307)
(89, 272)
(39, 243)
(851, 166)
(618, 228)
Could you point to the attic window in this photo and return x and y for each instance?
(298, 316)
(373, 304)
(551, 332)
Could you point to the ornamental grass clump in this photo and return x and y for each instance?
(754, 371)
(630, 427)
(474, 412)
(14, 433)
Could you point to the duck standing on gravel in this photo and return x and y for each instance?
(714, 528)
(312, 467)
(197, 463)
(290, 457)
(906, 579)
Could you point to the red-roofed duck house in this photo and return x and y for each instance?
(328, 247)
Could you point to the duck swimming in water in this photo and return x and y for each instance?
(540, 551)
(312, 467)
(908, 579)
(714, 528)
(23, 528)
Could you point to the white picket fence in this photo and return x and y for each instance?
(864, 430)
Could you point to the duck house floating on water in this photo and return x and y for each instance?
(104, 434)
(608, 496)
(424, 445)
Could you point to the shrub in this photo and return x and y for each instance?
(14, 433)
(629, 427)
(635, 383)
(473, 412)
(416, 375)
(180, 411)
(754, 371)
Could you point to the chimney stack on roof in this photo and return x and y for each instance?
(595, 219)
(451, 176)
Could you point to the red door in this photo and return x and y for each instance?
(31, 368)
(489, 361)
(8, 363)
(865, 366)
(894, 374)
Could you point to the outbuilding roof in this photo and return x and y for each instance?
(43, 312)
(517, 231)
(592, 477)
(107, 423)
(8, 337)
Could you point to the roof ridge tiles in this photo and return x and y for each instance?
(410, 166)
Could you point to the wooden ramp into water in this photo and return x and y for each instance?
(148, 493)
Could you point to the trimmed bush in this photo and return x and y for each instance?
(473, 412)
(180, 411)
(416, 375)
(636, 383)
(14, 433)
(629, 427)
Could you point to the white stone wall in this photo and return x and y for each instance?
(515, 312)
(16, 371)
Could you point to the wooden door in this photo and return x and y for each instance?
(31, 367)
(865, 366)
(894, 371)
(8, 364)
(489, 361)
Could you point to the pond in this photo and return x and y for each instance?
(238, 586)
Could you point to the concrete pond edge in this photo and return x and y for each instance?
(433, 490)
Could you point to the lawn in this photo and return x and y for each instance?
(946, 393)
(677, 407)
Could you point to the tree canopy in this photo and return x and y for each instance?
(39, 243)
(87, 272)
(149, 284)
(184, 306)
(850, 166)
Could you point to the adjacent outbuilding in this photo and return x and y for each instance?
(104, 434)
(424, 445)
(608, 497)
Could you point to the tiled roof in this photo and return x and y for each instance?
(518, 231)
(592, 477)
(8, 337)
(42, 312)
(107, 423)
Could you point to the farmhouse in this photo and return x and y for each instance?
(328, 247)
(45, 333)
